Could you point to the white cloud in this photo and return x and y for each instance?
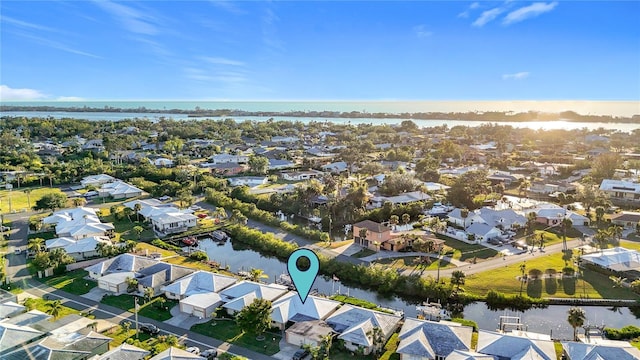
(222, 61)
(527, 12)
(465, 14)
(7, 93)
(516, 76)
(69, 98)
(227, 6)
(487, 16)
(421, 31)
(24, 24)
(131, 19)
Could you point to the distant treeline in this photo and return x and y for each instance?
(470, 116)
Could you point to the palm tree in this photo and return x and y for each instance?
(523, 269)
(602, 239)
(257, 274)
(28, 193)
(576, 319)
(137, 207)
(54, 308)
(35, 245)
(457, 278)
(566, 224)
(363, 235)
(377, 339)
(464, 214)
(138, 230)
(406, 218)
(599, 214)
(148, 293)
(393, 220)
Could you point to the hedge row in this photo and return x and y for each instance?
(499, 301)
(626, 333)
(165, 245)
(251, 211)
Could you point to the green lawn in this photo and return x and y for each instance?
(144, 341)
(227, 330)
(41, 304)
(506, 280)
(72, 282)
(363, 253)
(151, 309)
(462, 251)
(20, 200)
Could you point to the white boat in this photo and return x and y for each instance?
(433, 312)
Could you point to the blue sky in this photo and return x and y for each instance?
(330, 50)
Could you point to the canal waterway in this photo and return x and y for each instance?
(551, 320)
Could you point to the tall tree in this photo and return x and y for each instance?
(255, 318)
(259, 164)
(51, 201)
(137, 207)
(576, 318)
(457, 278)
(54, 308)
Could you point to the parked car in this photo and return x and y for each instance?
(193, 350)
(300, 354)
(149, 329)
(210, 354)
(18, 251)
(5, 228)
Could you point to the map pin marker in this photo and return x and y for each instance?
(303, 280)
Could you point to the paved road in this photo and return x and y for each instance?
(115, 315)
(393, 254)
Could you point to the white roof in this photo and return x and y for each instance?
(264, 291)
(403, 198)
(174, 216)
(481, 229)
(618, 259)
(71, 245)
(76, 214)
(200, 282)
(121, 263)
(146, 202)
(173, 353)
(514, 347)
(468, 355)
(150, 211)
(353, 323)
(433, 186)
(428, 339)
(203, 300)
(119, 188)
(620, 186)
(290, 308)
(582, 351)
(85, 229)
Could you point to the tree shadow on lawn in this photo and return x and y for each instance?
(569, 285)
(534, 288)
(550, 285)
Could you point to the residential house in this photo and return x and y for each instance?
(79, 249)
(435, 187)
(80, 231)
(301, 175)
(320, 152)
(198, 292)
(13, 336)
(277, 164)
(285, 139)
(618, 350)
(400, 241)
(376, 234)
(402, 199)
(626, 219)
(112, 274)
(123, 352)
(618, 260)
(429, 340)
(551, 187)
(160, 274)
(172, 221)
(483, 232)
(552, 215)
(456, 217)
(620, 191)
(228, 158)
(78, 345)
(336, 167)
(502, 219)
(243, 293)
(96, 180)
(356, 325)
(515, 347)
(94, 145)
(310, 332)
(143, 203)
(468, 355)
(225, 169)
(162, 162)
(10, 309)
(119, 190)
(250, 181)
(289, 308)
(503, 177)
(174, 353)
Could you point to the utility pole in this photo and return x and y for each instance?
(438, 277)
(135, 311)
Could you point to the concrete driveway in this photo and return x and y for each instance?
(95, 294)
(183, 320)
(286, 351)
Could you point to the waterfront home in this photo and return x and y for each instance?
(310, 332)
(250, 181)
(620, 191)
(611, 350)
(96, 180)
(243, 293)
(123, 352)
(112, 274)
(376, 234)
(429, 340)
(160, 274)
(172, 221)
(79, 249)
(516, 346)
(81, 231)
(356, 325)
(626, 219)
(198, 292)
(618, 260)
(119, 190)
(289, 308)
(173, 353)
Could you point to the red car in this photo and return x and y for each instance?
(202, 216)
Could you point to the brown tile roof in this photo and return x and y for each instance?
(372, 226)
